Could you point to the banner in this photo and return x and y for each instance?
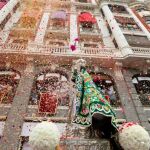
(48, 103)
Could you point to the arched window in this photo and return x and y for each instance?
(9, 80)
(142, 86)
(106, 84)
(55, 83)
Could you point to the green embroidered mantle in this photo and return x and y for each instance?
(90, 100)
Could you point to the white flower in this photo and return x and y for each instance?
(45, 136)
(134, 137)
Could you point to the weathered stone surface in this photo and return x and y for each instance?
(86, 144)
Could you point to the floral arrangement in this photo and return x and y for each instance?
(133, 137)
(45, 136)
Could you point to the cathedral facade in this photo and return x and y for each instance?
(39, 42)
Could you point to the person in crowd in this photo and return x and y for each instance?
(110, 92)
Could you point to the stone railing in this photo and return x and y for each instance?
(13, 47)
(61, 28)
(55, 50)
(141, 51)
(91, 31)
(65, 50)
(52, 49)
(103, 52)
(131, 31)
(82, 5)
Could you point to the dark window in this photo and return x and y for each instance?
(115, 43)
(9, 81)
(118, 9)
(107, 86)
(2, 25)
(138, 41)
(16, 7)
(142, 86)
(102, 13)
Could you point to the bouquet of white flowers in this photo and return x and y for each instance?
(45, 136)
(133, 137)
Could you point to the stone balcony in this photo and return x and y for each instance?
(53, 50)
(63, 30)
(50, 50)
(91, 32)
(141, 52)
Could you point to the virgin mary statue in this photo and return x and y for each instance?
(92, 108)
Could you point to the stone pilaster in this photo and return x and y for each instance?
(42, 28)
(4, 34)
(15, 118)
(127, 104)
(143, 117)
(73, 28)
(118, 35)
(143, 28)
(104, 31)
(7, 9)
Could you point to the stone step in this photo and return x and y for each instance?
(85, 144)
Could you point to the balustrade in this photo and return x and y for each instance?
(64, 50)
(11, 47)
(141, 51)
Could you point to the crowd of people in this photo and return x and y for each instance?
(107, 87)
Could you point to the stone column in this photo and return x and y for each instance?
(15, 118)
(7, 9)
(139, 23)
(4, 34)
(74, 28)
(104, 31)
(117, 33)
(42, 28)
(126, 101)
(142, 114)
